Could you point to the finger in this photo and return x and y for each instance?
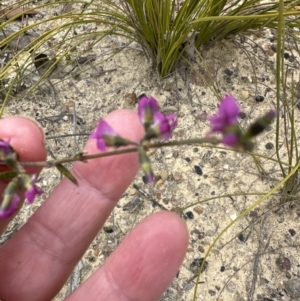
(143, 266)
(61, 230)
(27, 139)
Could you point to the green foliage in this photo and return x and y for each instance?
(165, 28)
(66, 173)
(49, 47)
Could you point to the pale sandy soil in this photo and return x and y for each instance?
(233, 262)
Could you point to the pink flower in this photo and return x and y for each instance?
(157, 125)
(32, 190)
(225, 121)
(164, 125)
(106, 136)
(9, 206)
(102, 134)
(147, 108)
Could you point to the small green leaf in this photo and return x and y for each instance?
(7, 175)
(66, 173)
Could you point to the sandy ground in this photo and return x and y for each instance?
(246, 263)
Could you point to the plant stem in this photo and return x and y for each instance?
(84, 158)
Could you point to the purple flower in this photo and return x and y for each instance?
(32, 190)
(106, 136)
(157, 125)
(164, 125)
(9, 206)
(147, 108)
(5, 147)
(102, 133)
(225, 121)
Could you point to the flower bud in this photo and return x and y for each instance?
(106, 136)
(145, 164)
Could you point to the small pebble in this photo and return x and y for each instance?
(245, 94)
(242, 115)
(132, 191)
(286, 55)
(293, 288)
(222, 269)
(108, 229)
(283, 263)
(233, 216)
(242, 237)
(196, 264)
(159, 183)
(269, 145)
(231, 287)
(198, 210)
(189, 215)
(145, 180)
(211, 292)
(65, 118)
(259, 98)
(292, 232)
(164, 175)
(292, 58)
(228, 72)
(177, 176)
(201, 249)
(187, 159)
(198, 170)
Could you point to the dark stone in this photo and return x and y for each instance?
(286, 55)
(108, 229)
(211, 292)
(201, 235)
(227, 79)
(293, 288)
(283, 263)
(213, 193)
(222, 269)
(292, 232)
(187, 159)
(189, 215)
(228, 72)
(267, 299)
(241, 237)
(195, 149)
(203, 93)
(259, 98)
(292, 58)
(269, 145)
(196, 264)
(145, 180)
(198, 170)
(242, 115)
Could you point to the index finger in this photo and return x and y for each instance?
(27, 139)
(58, 234)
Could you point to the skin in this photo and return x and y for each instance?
(38, 259)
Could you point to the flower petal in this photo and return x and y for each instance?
(147, 108)
(11, 208)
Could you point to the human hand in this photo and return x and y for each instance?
(38, 259)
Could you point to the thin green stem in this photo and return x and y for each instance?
(279, 57)
(255, 204)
